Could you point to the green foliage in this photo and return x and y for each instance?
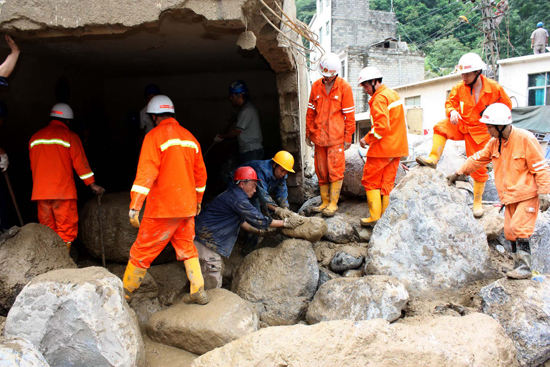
(305, 10)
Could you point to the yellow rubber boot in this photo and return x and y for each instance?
(325, 196)
(133, 276)
(437, 149)
(198, 294)
(385, 203)
(479, 187)
(68, 246)
(335, 188)
(375, 208)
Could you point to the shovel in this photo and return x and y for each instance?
(13, 198)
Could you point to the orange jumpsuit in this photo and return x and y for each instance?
(387, 140)
(521, 173)
(172, 176)
(469, 129)
(330, 121)
(54, 152)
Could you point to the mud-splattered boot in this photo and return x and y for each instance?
(523, 271)
(197, 295)
(325, 197)
(437, 149)
(335, 188)
(133, 276)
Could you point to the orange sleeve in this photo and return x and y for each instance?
(477, 160)
(348, 108)
(537, 165)
(380, 117)
(453, 102)
(80, 162)
(147, 172)
(310, 115)
(200, 175)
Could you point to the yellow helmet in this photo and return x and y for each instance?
(285, 160)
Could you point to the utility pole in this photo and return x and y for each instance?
(490, 44)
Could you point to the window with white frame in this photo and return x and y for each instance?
(538, 89)
(412, 101)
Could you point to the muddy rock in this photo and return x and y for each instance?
(18, 352)
(26, 252)
(118, 233)
(279, 281)
(454, 154)
(428, 237)
(366, 298)
(305, 209)
(160, 355)
(312, 230)
(446, 341)
(354, 172)
(540, 244)
(346, 258)
(339, 230)
(78, 317)
(522, 308)
(492, 222)
(325, 275)
(199, 329)
(353, 273)
(171, 281)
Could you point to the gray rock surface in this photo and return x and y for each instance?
(522, 307)
(326, 275)
(475, 339)
(347, 257)
(366, 298)
(171, 281)
(26, 252)
(428, 237)
(118, 233)
(199, 329)
(279, 281)
(305, 209)
(160, 355)
(540, 244)
(353, 273)
(354, 172)
(78, 318)
(18, 352)
(454, 154)
(339, 230)
(490, 193)
(492, 221)
(312, 230)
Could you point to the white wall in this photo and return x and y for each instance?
(514, 74)
(320, 20)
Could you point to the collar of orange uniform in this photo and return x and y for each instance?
(379, 90)
(485, 88)
(169, 120)
(337, 83)
(58, 123)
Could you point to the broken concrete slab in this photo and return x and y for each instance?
(280, 281)
(428, 237)
(26, 252)
(453, 341)
(78, 317)
(200, 329)
(18, 352)
(366, 298)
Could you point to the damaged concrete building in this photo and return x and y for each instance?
(98, 56)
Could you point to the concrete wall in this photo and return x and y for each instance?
(514, 75)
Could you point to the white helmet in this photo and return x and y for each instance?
(369, 73)
(160, 104)
(470, 62)
(62, 110)
(497, 114)
(330, 65)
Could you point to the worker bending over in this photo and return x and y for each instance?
(330, 124)
(172, 176)
(387, 141)
(217, 226)
(522, 179)
(466, 103)
(54, 152)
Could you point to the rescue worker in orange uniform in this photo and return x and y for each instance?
(522, 178)
(387, 141)
(54, 152)
(330, 124)
(466, 103)
(172, 176)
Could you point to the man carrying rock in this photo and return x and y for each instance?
(172, 176)
(54, 152)
(217, 226)
(522, 179)
(330, 124)
(387, 141)
(464, 107)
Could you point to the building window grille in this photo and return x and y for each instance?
(412, 101)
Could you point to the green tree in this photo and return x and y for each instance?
(305, 9)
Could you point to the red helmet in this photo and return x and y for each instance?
(244, 174)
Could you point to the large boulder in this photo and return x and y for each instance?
(454, 154)
(118, 233)
(311, 230)
(355, 162)
(347, 258)
(428, 237)
(466, 341)
(522, 307)
(280, 281)
(18, 352)
(78, 318)
(339, 230)
(199, 329)
(171, 281)
(540, 244)
(492, 222)
(26, 252)
(370, 297)
(160, 355)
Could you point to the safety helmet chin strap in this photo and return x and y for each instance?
(500, 129)
(471, 85)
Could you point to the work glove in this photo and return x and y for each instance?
(4, 162)
(218, 139)
(456, 177)
(544, 202)
(293, 221)
(283, 213)
(198, 208)
(96, 189)
(134, 217)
